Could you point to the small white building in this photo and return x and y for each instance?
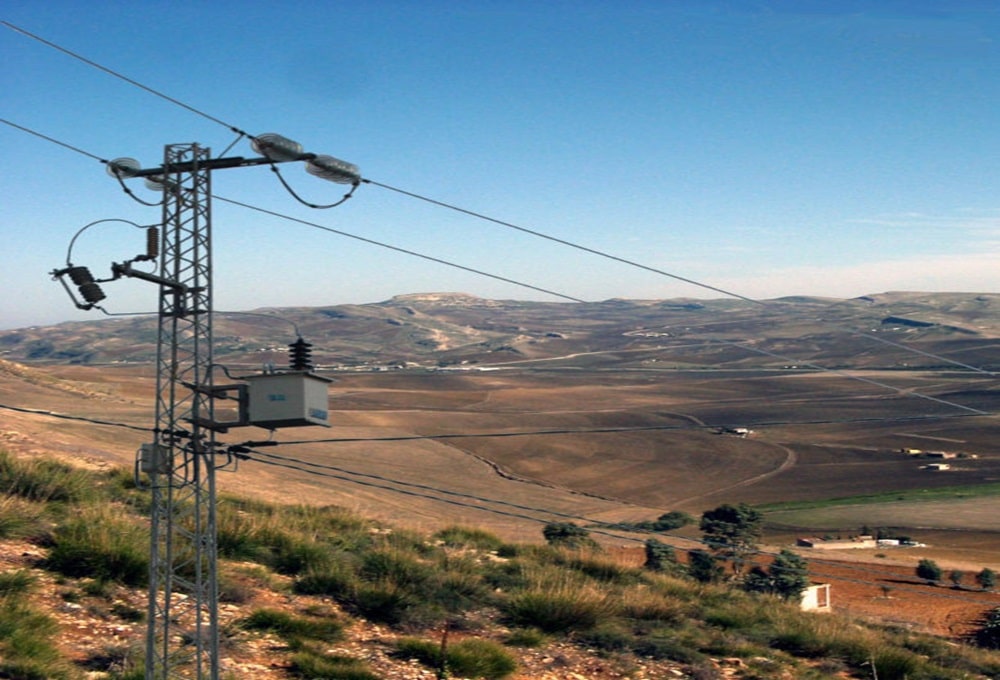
(816, 598)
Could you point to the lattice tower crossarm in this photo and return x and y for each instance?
(182, 638)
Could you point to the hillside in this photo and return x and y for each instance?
(321, 593)
(457, 329)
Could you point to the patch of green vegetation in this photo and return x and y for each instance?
(910, 495)
(100, 542)
(468, 658)
(463, 577)
(40, 479)
(27, 638)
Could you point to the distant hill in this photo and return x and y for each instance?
(455, 329)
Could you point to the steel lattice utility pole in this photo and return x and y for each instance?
(183, 635)
(182, 639)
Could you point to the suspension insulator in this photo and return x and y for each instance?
(80, 276)
(300, 355)
(152, 243)
(91, 292)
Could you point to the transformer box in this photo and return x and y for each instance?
(290, 399)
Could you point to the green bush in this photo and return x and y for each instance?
(293, 627)
(316, 665)
(39, 479)
(558, 607)
(383, 602)
(468, 537)
(336, 579)
(98, 542)
(20, 518)
(15, 582)
(27, 647)
(469, 657)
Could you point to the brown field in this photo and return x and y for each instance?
(597, 475)
(513, 484)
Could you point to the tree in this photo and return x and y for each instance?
(731, 532)
(703, 566)
(787, 577)
(790, 574)
(568, 535)
(659, 556)
(988, 635)
(675, 519)
(987, 579)
(956, 577)
(929, 570)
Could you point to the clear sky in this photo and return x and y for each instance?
(767, 147)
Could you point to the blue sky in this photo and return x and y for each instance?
(769, 148)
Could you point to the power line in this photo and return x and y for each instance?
(118, 75)
(472, 213)
(608, 430)
(593, 526)
(751, 348)
(64, 416)
(405, 251)
(425, 491)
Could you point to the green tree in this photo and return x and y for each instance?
(988, 635)
(956, 577)
(929, 570)
(703, 566)
(675, 519)
(731, 532)
(659, 556)
(790, 574)
(568, 535)
(987, 579)
(787, 577)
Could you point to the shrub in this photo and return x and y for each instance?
(308, 663)
(987, 579)
(337, 580)
(470, 657)
(558, 606)
(988, 634)
(42, 480)
(27, 649)
(929, 570)
(19, 518)
(15, 582)
(467, 537)
(99, 543)
(659, 556)
(526, 637)
(293, 627)
(384, 603)
(703, 566)
(568, 535)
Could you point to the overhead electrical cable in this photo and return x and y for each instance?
(560, 241)
(431, 258)
(64, 416)
(118, 75)
(616, 531)
(382, 482)
(655, 270)
(606, 430)
(240, 133)
(405, 251)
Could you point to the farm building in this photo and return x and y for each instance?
(837, 544)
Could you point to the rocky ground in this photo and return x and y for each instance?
(104, 631)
